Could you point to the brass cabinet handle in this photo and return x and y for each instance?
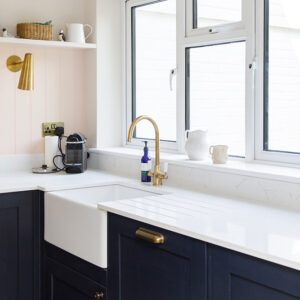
(98, 296)
(150, 236)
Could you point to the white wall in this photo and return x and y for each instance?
(65, 79)
(109, 75)
(103, 69)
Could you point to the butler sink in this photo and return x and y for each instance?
(74, 224)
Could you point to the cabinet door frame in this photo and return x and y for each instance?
(176, 244)
(72, 279)
(224, 264)
(28, 205)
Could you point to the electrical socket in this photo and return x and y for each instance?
(48, 129)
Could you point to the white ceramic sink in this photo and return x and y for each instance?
(74, 224)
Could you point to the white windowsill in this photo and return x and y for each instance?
(233, 166)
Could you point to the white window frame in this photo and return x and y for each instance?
(136, 142)
(233, 32)
(233, 26)
(260, 153)
(250, 30)
(225, 33)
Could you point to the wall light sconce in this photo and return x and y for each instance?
(15, 64)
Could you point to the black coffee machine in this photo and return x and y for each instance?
(76, 153)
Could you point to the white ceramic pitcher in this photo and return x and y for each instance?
(197, 144)
(76, 33)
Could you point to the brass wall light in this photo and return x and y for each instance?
(15, 64)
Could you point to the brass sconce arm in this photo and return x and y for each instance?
(15, 64)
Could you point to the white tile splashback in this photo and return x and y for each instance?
(266, 191)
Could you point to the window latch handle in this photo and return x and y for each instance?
(252, 66)
(173, 73)
(213, 30)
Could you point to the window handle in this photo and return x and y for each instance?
(213, 30)
(252, 66)
(173, 73)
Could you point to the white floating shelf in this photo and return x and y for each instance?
(39, 43)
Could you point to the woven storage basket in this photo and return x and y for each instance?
(35, 31)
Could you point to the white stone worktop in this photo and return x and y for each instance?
(266, 232)
(262, 231)
(25, 180)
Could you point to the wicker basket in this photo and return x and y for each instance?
(35, 31)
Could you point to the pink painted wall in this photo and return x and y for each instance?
(59, 95)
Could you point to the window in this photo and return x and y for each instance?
(153, 58)
(221, 110)
(216, 72)
(229, 66)
(211, 94)
(282, 76)
(209, 13)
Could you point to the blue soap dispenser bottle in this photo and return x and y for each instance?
(145, 165)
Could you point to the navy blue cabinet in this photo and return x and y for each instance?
(20, 245)
(180, 268)
(186, 269)
(141, 270)
(234, 276)
(69, 277)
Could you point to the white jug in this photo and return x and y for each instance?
(76, 33)
(197, 144)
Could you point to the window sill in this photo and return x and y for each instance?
(234, 166)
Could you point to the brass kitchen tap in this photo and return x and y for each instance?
(157, 175)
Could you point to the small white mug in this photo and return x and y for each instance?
(219, 154)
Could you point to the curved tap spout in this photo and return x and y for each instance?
(131, 130)
(157, 175)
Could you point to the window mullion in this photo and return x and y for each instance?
(181, 7)
(251, 72)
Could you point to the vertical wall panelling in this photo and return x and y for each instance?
(52, 84)
(65, 79)
(7, 104)
(38, 107)
(22, 113)
(91, 97)
(59, 95)
(67, 89)
(79, 106)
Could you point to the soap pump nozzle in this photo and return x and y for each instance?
(146, 149)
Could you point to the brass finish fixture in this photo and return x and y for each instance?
(48, 129)
(26, 78)
(157, 175)
(98, 295)
(150, 236)
(15, 64)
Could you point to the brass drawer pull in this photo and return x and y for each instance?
(98, 295)
(150, 236)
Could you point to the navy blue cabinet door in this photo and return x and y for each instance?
(140, 270)
(20, 246)
(64, 283)
(234, 276)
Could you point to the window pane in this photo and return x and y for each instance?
(217, 94)
(282, 131)
(154, 49)
(216, 12)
